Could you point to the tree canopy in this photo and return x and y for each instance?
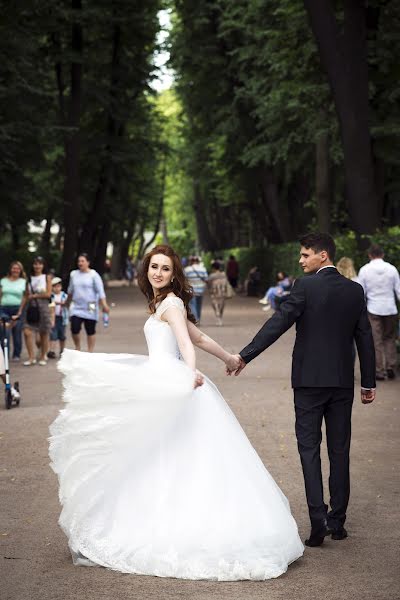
(284, 116)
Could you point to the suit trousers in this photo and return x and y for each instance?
(312, 405)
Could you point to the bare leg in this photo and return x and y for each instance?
(28, 335)
(44, 345)
(77, 340)
(91, 341)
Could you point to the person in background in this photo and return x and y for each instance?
(38, 292)
(252, 282)
(130, 272)
(85, 291)
(12, 299)
(232, 271)
(381, 283)
(283, 284)
(197, 277)
(345, 266)
(217, 286)
(59, 299)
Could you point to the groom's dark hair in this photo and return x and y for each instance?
(318, 242)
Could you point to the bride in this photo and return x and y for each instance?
(156, 475)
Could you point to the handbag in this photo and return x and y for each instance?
(32, 311)
(229, 291)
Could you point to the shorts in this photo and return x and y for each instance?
(58, 331)
(76, 324)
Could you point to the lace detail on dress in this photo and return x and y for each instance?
(171, 301)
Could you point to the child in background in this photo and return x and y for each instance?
(58, 299)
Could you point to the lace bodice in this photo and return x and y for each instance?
(159, 335)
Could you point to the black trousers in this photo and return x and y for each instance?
(312, 405)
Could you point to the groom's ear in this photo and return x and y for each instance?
(324, 255)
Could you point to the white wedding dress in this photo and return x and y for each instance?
(159, 479)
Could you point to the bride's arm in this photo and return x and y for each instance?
(177, 321)
(203, 341)
(178, 324)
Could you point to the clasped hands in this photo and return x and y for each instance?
(234, 364)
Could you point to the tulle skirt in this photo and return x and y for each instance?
(158, 479)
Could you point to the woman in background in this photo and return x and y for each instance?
(12, 293)
(217, 285)
(38, 292)
(345, 266)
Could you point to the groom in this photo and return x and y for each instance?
(329, 311)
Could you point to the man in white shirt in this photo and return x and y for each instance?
(381, 283)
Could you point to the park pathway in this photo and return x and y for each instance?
(34, 559)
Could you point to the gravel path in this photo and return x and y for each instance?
(34, 559)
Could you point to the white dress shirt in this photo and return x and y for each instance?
(381, 281)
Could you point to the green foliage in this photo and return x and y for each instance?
(257, 101)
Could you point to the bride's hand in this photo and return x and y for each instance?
(198, 380)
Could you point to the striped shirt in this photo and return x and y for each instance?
(197, 277)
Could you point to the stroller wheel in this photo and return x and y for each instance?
(8, 399)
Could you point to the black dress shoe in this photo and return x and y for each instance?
(317, 537)
(391, 374)
(339, 534)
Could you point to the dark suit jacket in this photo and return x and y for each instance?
(329, 311)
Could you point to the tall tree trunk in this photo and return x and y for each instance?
(101, 249)
(97, 214)
(275, 207)
(206, 240)
(15, 237)
(116, 261)
(322, 182)
(126, 244)
(344, 58)
(46, 235)
(72, 151)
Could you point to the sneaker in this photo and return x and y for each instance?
(263, 301)
(219, 322)
(29, 363)
(15, 359)
(391, 374)
(51, 354)
(267, 308)
(15, 394)
(42, 363)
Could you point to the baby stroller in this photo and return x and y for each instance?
(12, 394)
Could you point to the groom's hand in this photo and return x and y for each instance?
(237, 366)
(367, 396)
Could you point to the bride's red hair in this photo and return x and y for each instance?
(179, 286)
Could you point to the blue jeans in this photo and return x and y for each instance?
(271, 294)
(195, 306)
(16, 331)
